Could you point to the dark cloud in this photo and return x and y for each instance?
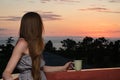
(70, 0)
(31, 1)
(9, 18)
(94, 9)
(114, 1)
(99, 9)
(2, 29)
(117, 31)
(44, 1)
(47, 16)
(50, 16)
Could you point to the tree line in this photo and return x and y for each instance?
(96, 53)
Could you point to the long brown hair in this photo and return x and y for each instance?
(31, 29)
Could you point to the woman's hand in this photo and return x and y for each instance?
(7, 76)
(67, 66)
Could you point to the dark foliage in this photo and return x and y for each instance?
(95, 53)
(5, 54)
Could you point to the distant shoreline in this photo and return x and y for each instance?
(62, 37)
(56, 39)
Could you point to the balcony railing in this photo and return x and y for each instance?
(84, 74)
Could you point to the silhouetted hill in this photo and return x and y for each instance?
(54, 60)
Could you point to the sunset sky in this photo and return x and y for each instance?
(95, 18)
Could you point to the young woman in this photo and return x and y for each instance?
(27, 54)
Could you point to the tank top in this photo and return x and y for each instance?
(25, 65)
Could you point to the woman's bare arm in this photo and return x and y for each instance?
(56, 68)
(16, 55)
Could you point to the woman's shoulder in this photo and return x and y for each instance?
(22, 42)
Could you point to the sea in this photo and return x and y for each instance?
(56, 40)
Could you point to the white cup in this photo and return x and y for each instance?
(77, 65)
